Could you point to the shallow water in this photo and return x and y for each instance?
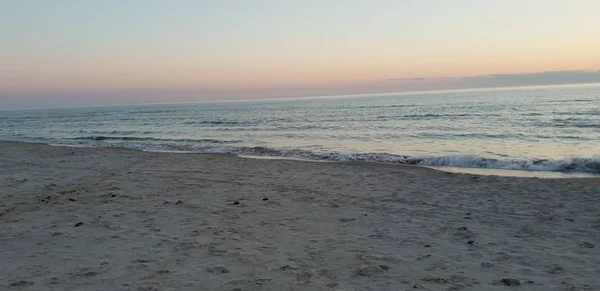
(537, 129)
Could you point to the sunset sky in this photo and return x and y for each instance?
(84, 52)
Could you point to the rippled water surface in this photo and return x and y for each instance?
(542, 128)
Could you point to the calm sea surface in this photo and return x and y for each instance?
(535, 129)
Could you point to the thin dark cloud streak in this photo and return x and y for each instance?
(522, 79)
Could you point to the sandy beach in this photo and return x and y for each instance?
(119, 219)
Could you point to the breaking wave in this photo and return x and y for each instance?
(567, 165)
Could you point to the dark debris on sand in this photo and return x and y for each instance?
(21, 283)
(510, 282)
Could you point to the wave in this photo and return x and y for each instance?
(93, 133)
(581, 165)
(135, 138)
(207, 145)
(570, 122)
(215, 122)
(571, 100)
(388, 106)
(435, 116)
(567, 165)
(590, 112)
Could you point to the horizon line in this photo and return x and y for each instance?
(372, 94)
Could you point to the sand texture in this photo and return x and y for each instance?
(117, 219)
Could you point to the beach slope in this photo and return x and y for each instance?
(118, 219)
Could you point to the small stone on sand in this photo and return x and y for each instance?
(510, 282)
(384, 267)
(218, 270)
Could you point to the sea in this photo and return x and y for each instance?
(552, 129)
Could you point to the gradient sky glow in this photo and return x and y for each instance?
(80, 52)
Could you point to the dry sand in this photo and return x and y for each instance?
(117, 219)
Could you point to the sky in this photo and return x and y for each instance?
(95, 52)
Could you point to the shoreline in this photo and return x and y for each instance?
(446, 169)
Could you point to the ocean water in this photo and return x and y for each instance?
(534, 129)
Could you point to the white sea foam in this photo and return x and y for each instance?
(565, 165)
(584, 165)
(568, 165)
